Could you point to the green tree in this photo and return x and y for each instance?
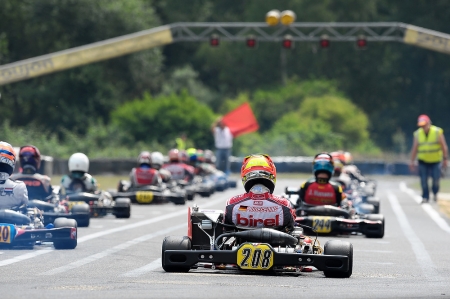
(163, 118)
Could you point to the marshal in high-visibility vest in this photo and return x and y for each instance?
(429, 148)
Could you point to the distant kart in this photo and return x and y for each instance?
(329, 219)
(54, 208)
(18, 230)
(366, 192)
(251, 250)
(152, 194)
(100, 203)
(221, 181)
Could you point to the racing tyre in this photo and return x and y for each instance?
(123, 206)
(379, 233)
(66, 244)
(375, 201)
(82, 214)
(175, 243)
(190, 196)
(336, 247)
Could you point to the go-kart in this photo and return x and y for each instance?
(100, 203)
(152, 194)
(364, 191)
(25, 229)
(329, 219)
(221, 181)
(252, 250)
(52, 208)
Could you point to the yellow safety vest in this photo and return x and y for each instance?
(181, 145)
(429, 149)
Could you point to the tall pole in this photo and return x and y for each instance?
(283, 66)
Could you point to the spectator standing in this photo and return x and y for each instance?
(430, 147)
(224, 142)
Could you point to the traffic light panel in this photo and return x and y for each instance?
(251, 42)
(361, 42)
(324, 42)
(288, 43)
(214, 40)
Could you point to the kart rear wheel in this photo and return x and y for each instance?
(336, 247)
(175, 243)
(66, 244)
(380, 232)
(190, 196)
(375, 201)
(82, 214)
(122, 207)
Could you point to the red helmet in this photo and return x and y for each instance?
(145, 158)
(29, 155)
(258, 169)
(174, 155)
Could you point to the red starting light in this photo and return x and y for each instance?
(324, 42)
(361, 42)
(214, 40)
(251, 42)
(288, 43)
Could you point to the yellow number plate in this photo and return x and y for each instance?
(255, 257)
(5, 234)
(322, 224)
(144, 196)
(74, 203)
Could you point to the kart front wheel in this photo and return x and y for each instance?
(66, 244)
(336, 247)
(175, 243)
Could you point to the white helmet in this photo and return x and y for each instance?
(79, 162)
(144, 158)
(157, 159)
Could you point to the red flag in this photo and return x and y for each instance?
(241, 120)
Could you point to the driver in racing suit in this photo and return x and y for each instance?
(12, 193)
(339, 176)
(258, 207)
(157, 162)
(78, 180)
(38, 185)
(320, 190)
(178, 169)
(144, 175)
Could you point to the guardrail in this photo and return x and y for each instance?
(52, 166)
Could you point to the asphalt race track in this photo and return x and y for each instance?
(118, 258)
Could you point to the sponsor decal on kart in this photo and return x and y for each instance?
(144, 196)
(74, 203)
(322, 224)
(255, 257)
(5, 234)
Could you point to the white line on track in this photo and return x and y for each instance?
(144, 269)
(111, 231)
(110, 251)
(427, 208)
(422, 256)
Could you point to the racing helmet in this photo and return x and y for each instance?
(174, 155)
(7, 158)
(144, 158)
(209, 157)
(157, 160)
(338, 160)
(30, 157)
(323, 163)
(192, 154)
(79, 162)
(258, 169)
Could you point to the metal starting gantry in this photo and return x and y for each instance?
(299, 32)
(239, 31)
